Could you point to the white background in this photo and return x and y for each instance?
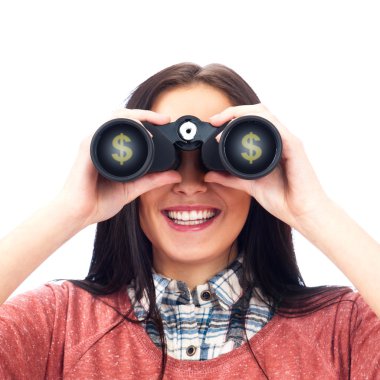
(65, 66)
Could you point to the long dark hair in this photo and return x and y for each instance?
(123, 254)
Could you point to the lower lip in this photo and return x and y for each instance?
(189, 228)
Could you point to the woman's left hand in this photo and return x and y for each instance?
(291, 192)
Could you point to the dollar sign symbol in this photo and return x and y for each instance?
(125, 153)
(255, 151)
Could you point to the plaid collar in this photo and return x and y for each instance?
(224, 287)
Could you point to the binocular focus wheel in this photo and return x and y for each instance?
(250, 147)
(122, 150)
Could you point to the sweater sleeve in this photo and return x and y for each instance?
(365, 342)
(26, 333)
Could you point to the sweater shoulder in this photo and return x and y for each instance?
(70, 293)
(53, 326)
(334, 335)
(336, 314)
(85, 314)
(69, 308)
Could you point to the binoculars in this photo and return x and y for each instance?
(124, 150)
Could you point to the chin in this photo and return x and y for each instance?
(196, 255)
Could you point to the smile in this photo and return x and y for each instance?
(191, 217)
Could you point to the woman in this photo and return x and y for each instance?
(193, 273)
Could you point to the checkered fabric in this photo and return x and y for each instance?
(206, 322)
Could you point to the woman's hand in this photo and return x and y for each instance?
(86, 198)
(291, 192)
(90, 198)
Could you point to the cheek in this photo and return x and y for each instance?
(145, 207)
(149, 214)
(239, 205)
(236, 200)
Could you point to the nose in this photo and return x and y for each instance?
(192, 173)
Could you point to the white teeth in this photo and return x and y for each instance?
(191, 217)
(188, 223)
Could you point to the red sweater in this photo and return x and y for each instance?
(61, 331)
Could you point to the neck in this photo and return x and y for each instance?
(193, 273)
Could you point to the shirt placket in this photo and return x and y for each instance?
(188, 334)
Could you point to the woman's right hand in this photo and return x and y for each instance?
(86, 198)
(90, 198)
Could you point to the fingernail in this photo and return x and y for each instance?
(164, 117)
(214, 116)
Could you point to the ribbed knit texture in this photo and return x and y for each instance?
(60, 331)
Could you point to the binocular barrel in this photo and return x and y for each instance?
(124, 149)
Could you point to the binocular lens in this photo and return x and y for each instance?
(122, 150)
(250, 147)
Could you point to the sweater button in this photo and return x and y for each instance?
(205, 295)
(190, 351)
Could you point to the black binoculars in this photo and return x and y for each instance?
(124, 149)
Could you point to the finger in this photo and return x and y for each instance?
(234, 112)
(142, 115)
(149, 182)
(256, 110)
(83, 164)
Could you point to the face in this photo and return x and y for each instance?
(192, 222)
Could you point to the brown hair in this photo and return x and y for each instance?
(216, 75)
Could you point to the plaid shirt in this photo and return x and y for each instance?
(206, 322)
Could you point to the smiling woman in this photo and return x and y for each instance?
(193, 273)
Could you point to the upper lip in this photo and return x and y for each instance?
(190, 207)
